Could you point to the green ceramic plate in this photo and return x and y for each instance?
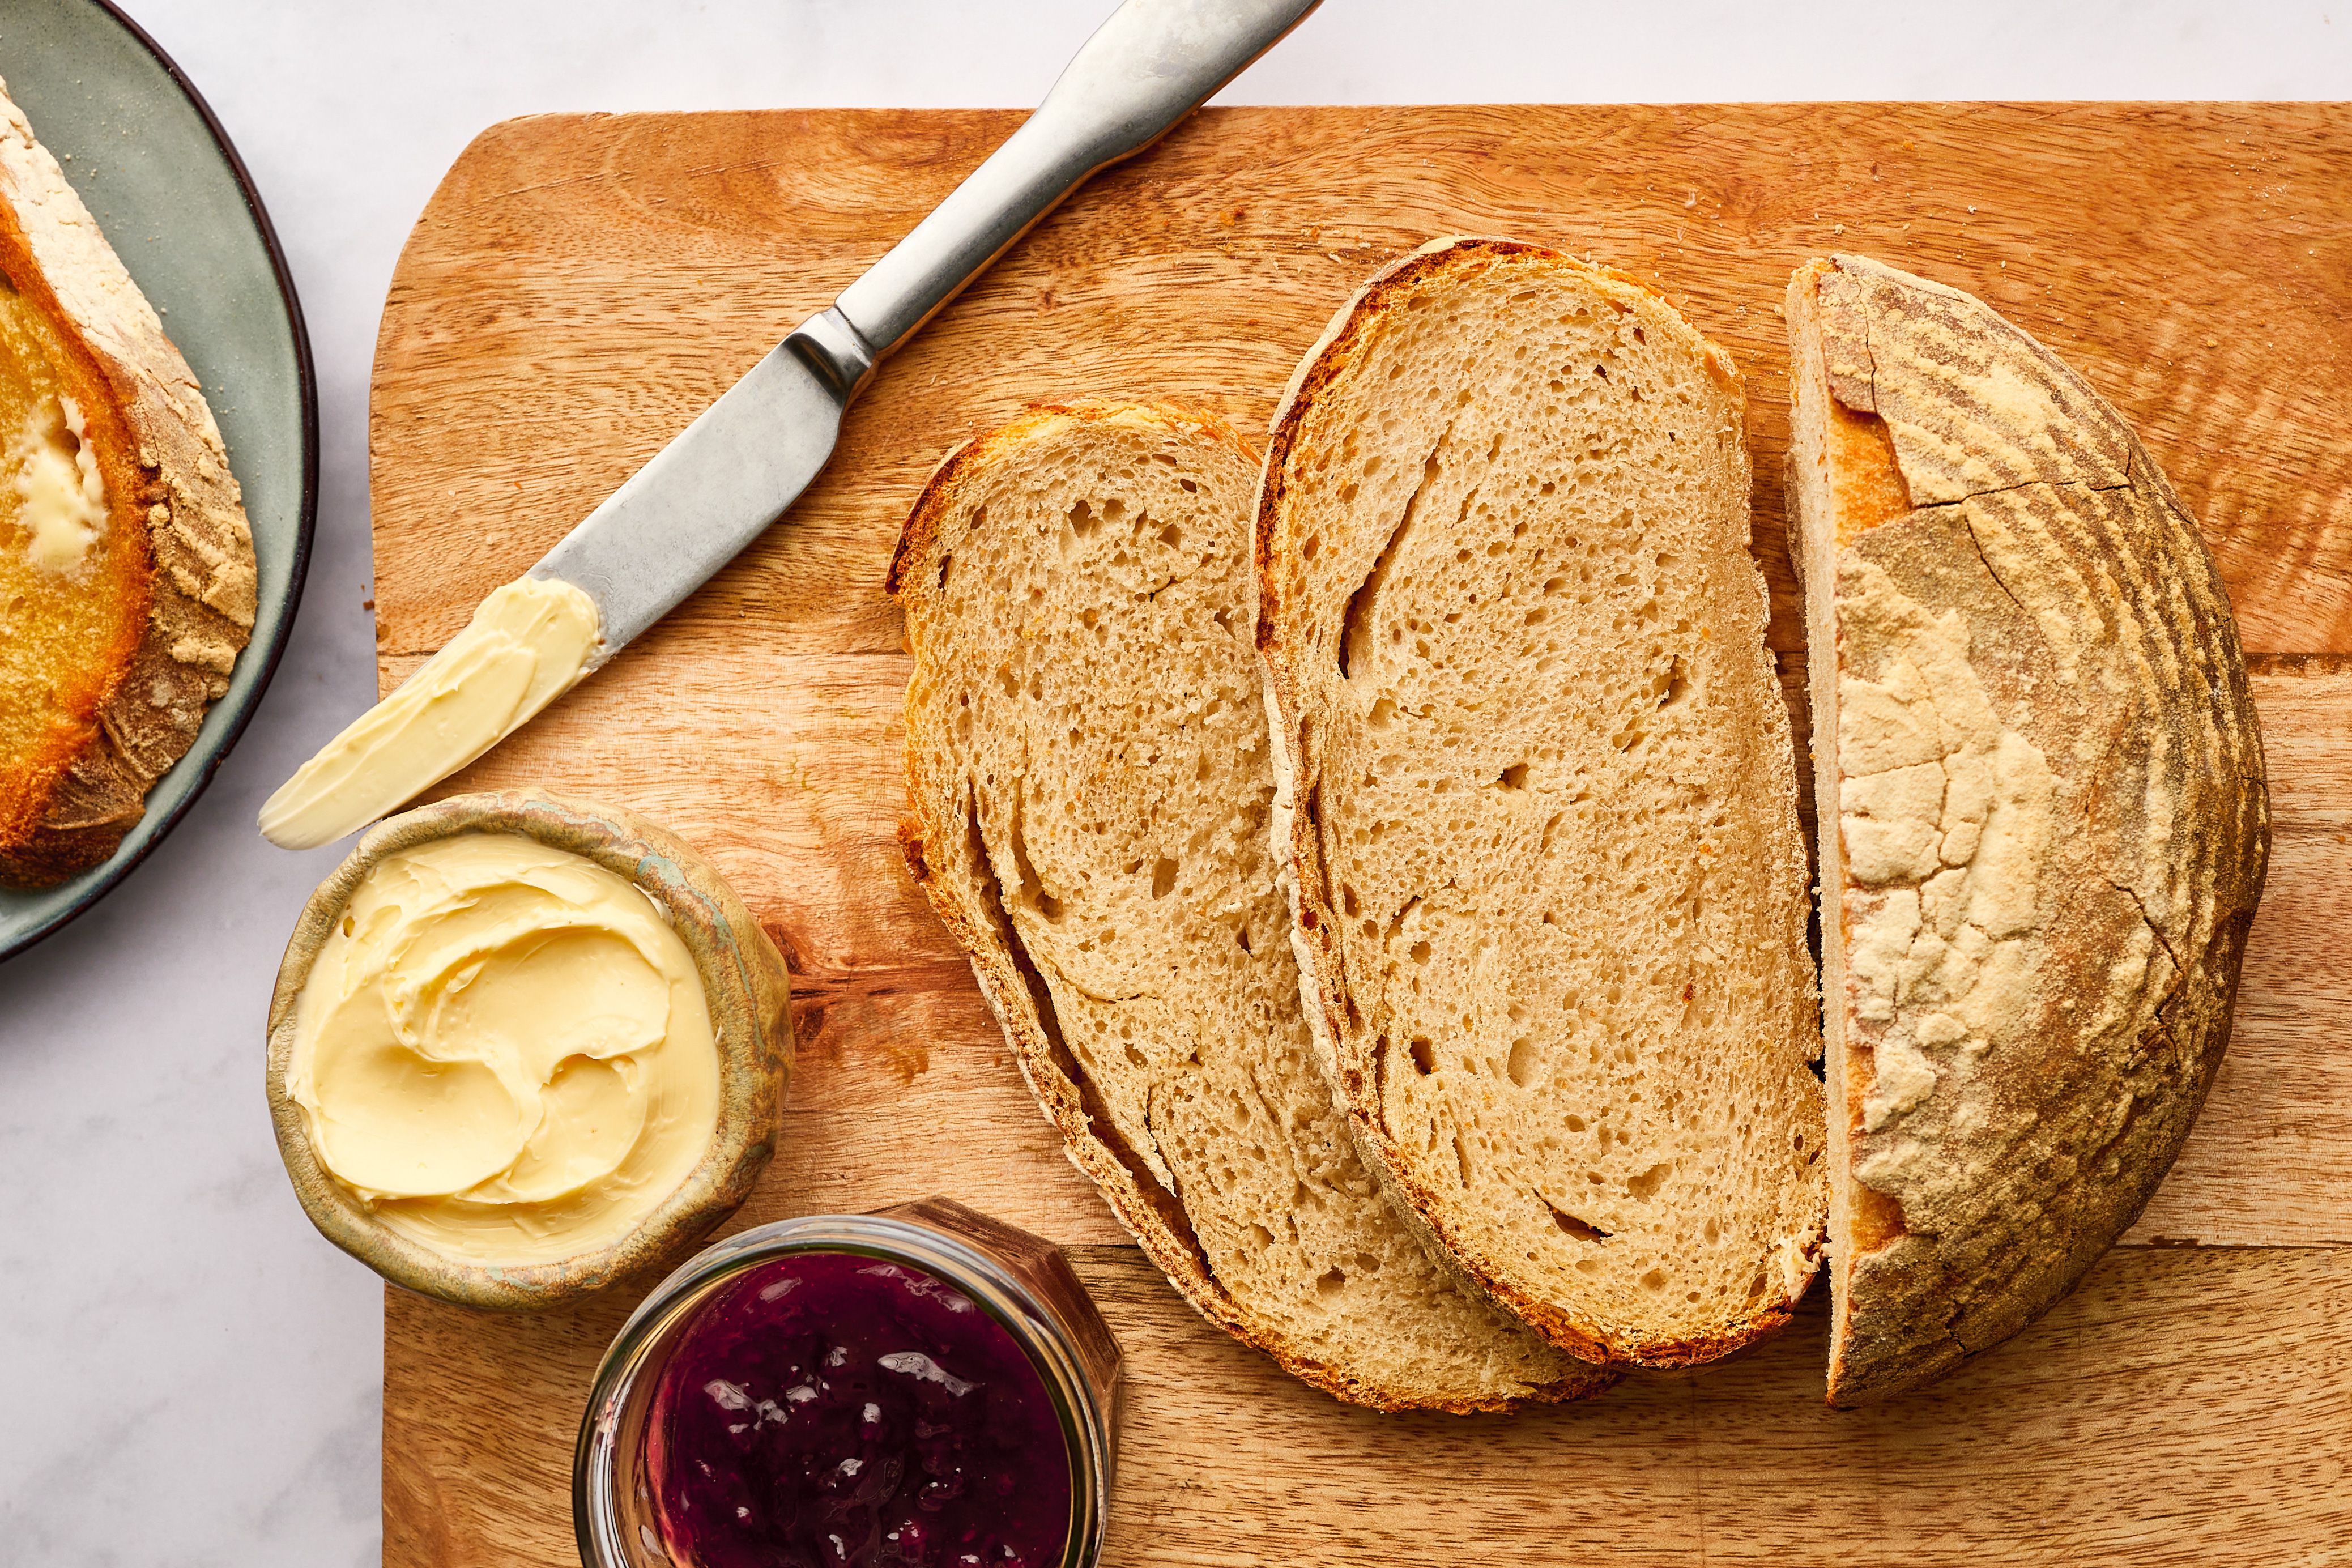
(158, 173)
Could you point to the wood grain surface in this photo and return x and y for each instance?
(579, 287)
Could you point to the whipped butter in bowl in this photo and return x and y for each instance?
(522, 1046)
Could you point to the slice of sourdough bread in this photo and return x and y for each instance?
(1088, 765)
(126, 566)
(1538, 797)
(2043, 823)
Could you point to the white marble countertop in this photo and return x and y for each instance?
(190, 1375)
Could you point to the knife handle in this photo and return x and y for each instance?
(1147, 68)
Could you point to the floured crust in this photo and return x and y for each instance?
(1286, 638)
(166, 475)
(953, 867)
(2044, 822)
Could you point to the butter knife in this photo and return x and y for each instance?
(725, 478)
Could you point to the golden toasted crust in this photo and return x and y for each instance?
(2040, 959)
(1296, 759)
(168, 484)
(946, 859)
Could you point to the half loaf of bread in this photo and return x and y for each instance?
(1088, 765)
(2043, 823)
(126, 565)
(1538, 797)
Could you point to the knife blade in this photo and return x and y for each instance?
(700, 500)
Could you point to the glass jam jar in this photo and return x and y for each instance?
(918, 1386)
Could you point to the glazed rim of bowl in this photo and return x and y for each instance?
(743, 983)
(1088, 1426)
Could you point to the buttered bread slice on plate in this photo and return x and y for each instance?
(2043, 823)
(126, 566)
(1089, 771)
(1538, 797)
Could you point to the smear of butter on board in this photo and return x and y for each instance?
(529, 643)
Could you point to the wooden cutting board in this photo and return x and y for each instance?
(579, 287)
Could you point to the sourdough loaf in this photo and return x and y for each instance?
(1538, 797)
(2043, 822)
(1087, 766)
(126, 566)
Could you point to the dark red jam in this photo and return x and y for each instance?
(827, 1409)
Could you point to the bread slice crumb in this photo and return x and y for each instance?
(1091, 783)
(1538, 797)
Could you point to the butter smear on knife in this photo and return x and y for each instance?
(529, 643)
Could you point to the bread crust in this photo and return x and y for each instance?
(1014, 988)
(168, 483)
(2032, 1017)
(1301, 857)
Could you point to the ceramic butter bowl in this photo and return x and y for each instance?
(501, 1090)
